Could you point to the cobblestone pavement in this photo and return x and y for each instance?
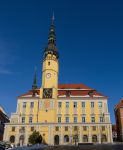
(86, 147)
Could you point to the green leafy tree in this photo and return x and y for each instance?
(35, 138)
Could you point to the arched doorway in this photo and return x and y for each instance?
(66, 138)
(94, 138)
(21, 140)
(85, 138)
(103, 138)
(56, 140)
(12, 139)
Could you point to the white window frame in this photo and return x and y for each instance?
(23, 119)
(83, 118)
(31, 106)
(59, 119)
(30, 119)
(67, 104)
(75, 104)
(83, 106)
(92, 104)
(67, 119)
(75, 119)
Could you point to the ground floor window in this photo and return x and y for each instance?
(94, 138)
(103, 138)
(12, 139)
(66, 138)
(85, 138)
(66, 128)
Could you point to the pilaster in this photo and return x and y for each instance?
(99, 134)
(89, 134)
(80, 134)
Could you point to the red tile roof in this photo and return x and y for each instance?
(73, 86)
(70, 90)
(119, 105)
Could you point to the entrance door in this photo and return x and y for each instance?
(56, 140)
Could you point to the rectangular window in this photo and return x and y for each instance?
(92, 119)
(92, 104)
(83, 119)
(84, 128)
(75, 104)
(23, 119)
(103, 128)
(59, 104)
(75, 128)
(23, 129)
(32, 129)
(100, 104)
(67, 104)
(94, 128)
(67, 119)
(31, 104)
(75, 119)
(66, 128)
(30, 119)
(57, 128)
(59, 119)
(83, 104)
(101, 119)
(13, 128)
(24, 104)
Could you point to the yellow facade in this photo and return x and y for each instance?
(61, 113)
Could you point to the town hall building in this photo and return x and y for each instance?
(62, 113)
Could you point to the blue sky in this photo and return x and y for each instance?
(89, 39)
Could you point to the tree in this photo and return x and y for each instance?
(35, 138)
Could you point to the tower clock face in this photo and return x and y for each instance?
(48, 75)
(47, 93)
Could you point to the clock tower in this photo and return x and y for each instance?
(48, 91)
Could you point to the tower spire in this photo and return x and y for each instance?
(53, 18)
(34, 86)
(51, 46)
(52, 36)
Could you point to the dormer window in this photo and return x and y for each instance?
(90, 93)
(68, 93)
